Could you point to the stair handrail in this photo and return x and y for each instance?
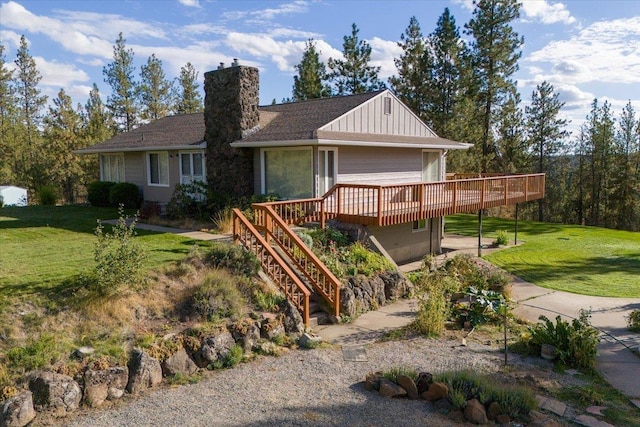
(320, 277)
(295, 290)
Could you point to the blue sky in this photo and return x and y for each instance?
(586, 49)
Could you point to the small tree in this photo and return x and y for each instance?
(312, 73)
(118, 257)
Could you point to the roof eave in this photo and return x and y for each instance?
(339, 142)
(98, 150)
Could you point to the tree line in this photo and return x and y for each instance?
(465, 91)
(37, 141)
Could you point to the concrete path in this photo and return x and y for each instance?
(617, 363)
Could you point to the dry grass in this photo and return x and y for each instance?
(223, 220)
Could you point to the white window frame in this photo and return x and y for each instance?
(417, 227)
(440, 165)
(108, 158)
(263, 178)
(321, 152)
(148, 159)
(190, 154)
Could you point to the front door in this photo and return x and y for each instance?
(327, 169)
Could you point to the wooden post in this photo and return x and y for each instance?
(480, 233)
(323, 220)
(515, 240)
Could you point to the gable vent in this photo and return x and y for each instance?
(387, 105)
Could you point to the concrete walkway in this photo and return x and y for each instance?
(616, 361)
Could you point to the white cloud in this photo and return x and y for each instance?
(546, 12)
(382, 54)
(259, 16)
(190, 3)
(284, 54)
(59, 74)
(466, 4)
(9, 38)
(606, 51)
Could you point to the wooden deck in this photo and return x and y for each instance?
(383, 205)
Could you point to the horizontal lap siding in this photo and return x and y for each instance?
(379, 166)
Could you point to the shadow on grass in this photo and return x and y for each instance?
(468, 225)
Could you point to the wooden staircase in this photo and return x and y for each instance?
(309, 267)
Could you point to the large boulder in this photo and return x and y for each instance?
(214, 348)
(435, 392)
(144, 372)
(424, 380)
(347, 302)
(104, 384)
(395, 285)
(179, 363)
(292, 321)
(18, 411)
(390, 389)
(271, 326)
(409, 385)
(56, 392)
(246, 333)
(475, 413)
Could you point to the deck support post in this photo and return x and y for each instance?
(515, 240)
(480, 233)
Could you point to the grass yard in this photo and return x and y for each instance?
(583, 260)
(41, 247)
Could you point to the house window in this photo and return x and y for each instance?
(419, 225)
(387, 105)
(158, 171)
(112, 167)
(191, 167)
(327, 169)
(287, 172)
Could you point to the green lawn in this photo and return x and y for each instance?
(41, 247)
(584, 260)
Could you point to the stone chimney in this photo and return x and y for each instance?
(230, 109)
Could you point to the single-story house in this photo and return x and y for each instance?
(295, 150)
(13, 196)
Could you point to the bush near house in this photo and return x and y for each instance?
(126, 194)
(98, 193)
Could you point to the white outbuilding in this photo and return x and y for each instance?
(11, 195)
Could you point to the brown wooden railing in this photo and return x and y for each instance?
(395, 204)
(272, 264)
(318, 275)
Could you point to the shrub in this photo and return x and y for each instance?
(150, 209)
(36, 353)
(218, 297)
(393, 373)
(360, 260)
(233, 257)
(328, 236)
(118, 258)
(502, 238)
(575, 342)
(47, 195)
(433, 312)
(126, 194)
(189, 200)
(98, 193)
(268, 301)
(223, 220)
(633, 321)
(231, 359)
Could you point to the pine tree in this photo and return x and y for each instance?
(312, 74)
(446, 60)
(30, 103)
(62, 135)
(409, 84)
(353, 74)
(8, 149)
(494, 59)
(511, 141)
(154, 91)
(626, 193)
(98, 124)
(546, 133)
(119, 75)
(189, 99)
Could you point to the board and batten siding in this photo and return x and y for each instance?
(379, 166)
(370, 118)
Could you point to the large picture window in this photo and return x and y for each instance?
(158, 171)
(288, 172)
(112, 167)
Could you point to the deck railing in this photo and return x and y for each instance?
(319, 276)
(272, 264)
(395, 204)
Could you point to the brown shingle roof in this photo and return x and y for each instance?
(299, 120)
(180, 131)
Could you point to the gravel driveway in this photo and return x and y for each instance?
(300, 388)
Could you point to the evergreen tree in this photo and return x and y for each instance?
(8, 149)
(511, 142)
(446, 60)
(98, 122)
(409, 84)
(545, 130)
(30, 103)
(154, 90)
(312, 73)
(626, 195)
(494, 59)
(353, 74)
(119, 75)
(189, 99)
(62, 135)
